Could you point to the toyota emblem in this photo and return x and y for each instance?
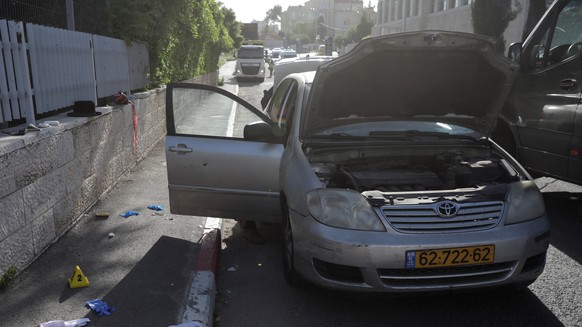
(447, 209)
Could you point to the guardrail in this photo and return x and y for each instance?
(45, 69)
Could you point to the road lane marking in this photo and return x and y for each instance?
(230, 130)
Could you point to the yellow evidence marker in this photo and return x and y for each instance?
(78, 279)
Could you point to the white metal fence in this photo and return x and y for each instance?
(44, 69)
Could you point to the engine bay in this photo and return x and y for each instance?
(388, 169)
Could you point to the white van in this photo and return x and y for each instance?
(250, 63)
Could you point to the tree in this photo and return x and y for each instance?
(356, 33)
(233, 27)
(273, 15)
(491, 18)
(185, 37)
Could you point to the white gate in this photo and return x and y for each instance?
(44, 69)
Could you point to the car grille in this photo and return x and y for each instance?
(423, 218)
(447, 276)
(250, 69)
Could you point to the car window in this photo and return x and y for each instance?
(282, 103)
(565, 39)
(206, 113)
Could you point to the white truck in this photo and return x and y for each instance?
(250, 63)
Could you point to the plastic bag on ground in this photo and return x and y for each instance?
(61, 323)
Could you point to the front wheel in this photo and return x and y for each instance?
(288, 253)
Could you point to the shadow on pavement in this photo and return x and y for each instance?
(249, 83)
(565, 212)
(153, 292)
(259, 266)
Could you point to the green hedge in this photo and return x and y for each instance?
(185, 37)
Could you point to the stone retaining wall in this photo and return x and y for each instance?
(50, 178)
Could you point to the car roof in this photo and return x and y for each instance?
(289, 66)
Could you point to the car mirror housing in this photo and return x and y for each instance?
(260, 131)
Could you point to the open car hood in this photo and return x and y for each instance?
(447, 77)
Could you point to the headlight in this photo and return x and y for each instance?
(525, 202)
(343, 209)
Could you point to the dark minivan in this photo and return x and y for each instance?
(541, 123)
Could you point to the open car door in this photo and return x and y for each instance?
(212, 169)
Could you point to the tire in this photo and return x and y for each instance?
(288, 252)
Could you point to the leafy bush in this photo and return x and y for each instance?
(185, 37)
(8, 277)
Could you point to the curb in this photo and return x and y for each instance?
(199, 306)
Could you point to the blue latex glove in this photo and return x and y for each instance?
(129, 213)
(155, 207)
(100, 307)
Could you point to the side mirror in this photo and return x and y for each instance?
(260, 131)
(514, 52)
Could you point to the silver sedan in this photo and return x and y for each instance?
(379, 167)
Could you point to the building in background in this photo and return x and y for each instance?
(453, 15)
(322, 18)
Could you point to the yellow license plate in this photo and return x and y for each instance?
(462, 256)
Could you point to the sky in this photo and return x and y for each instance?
(246, 10)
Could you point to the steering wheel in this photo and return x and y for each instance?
(573, 49)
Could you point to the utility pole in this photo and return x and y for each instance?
(70, 15)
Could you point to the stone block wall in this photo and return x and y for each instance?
(51, 177)
(48, 179)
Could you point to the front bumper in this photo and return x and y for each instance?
(376, 261)
(249, 71)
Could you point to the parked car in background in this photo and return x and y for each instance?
(541, 123)
(287, 53)
(378, 166)
(275, 53)
(285, 67)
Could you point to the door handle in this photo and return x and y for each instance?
(180, 148)
(568, 84)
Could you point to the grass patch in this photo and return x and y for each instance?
(8, 277)
(221, 81)
(224, 58)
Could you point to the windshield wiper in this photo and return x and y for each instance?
(345, 137)
(338, 136)
(416, 134)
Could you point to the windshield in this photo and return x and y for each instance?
(250, 53)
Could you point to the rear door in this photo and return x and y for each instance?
(212, 169)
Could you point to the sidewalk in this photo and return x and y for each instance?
(142, 265)
(156, 268)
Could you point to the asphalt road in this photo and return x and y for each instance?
(252, 290)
